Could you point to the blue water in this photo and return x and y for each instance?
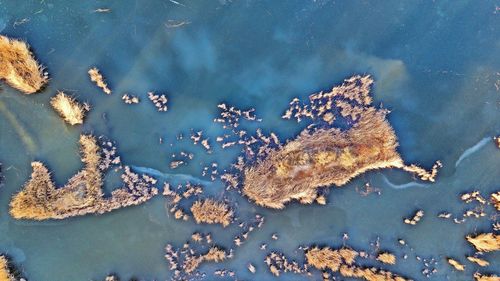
(435, 65)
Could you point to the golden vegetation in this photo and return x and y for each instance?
(326, 157)
(186, 260)
(457, 265)
(479, 261)
(5, 274)
(40, 199)
(68, 108)
(387, 258)
(485, 242)
(6, 270)
(479, 277)
(211, 211)
(215, 254)
(332, 259)
(98, 79)
(343, 261)
(18, 67)
(495, 199)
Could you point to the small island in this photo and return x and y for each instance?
(40, 199)
(329, 155)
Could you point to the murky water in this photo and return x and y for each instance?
(435, 65)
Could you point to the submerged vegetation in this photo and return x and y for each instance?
(19, 68)
(329, 156)
(40, 199)
(68, 108)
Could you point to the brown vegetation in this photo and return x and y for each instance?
(211, 211)
(343, 261)
(68, 108)
(479, 261)
(495, 199)
(186, 259)
(40, 199)
(387, 258)
(332, 259)
(97, 78)
(330, 156)
(18, 67)
(215, 254)
(485, 242)
(479, 277)
(5, 274)
(456, 264)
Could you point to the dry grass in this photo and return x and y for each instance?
(327, 157)
(479, 277)
(97, 78)
(18, 67)
(5, 274)
(479, 261)
(68, 108)
(211, 211)
(39, 199)
(343, 261)
(332, 259)
(215, 254)
(495, 199)
(485, 242)
(387, 258)
(191, 263)
(369, 274)
(457, 265)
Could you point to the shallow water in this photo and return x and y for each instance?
(435, 65)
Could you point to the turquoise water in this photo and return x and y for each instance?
(435, 65)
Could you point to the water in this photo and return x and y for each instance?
(435, 66)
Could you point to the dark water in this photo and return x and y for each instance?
(435, 65)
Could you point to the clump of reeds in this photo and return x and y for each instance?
(479, 261)
(343, 261)
(211, 212)
(456, 264)
(480, 277)
(387, 258)
(495, 199)
(215, 254)
(40, 200)
(33, 201)
(4, 270)
(19, 68)
(98, 79)
(327, 258)
(329, 156)
(485, 242)
(369, 274)
(68, 108)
